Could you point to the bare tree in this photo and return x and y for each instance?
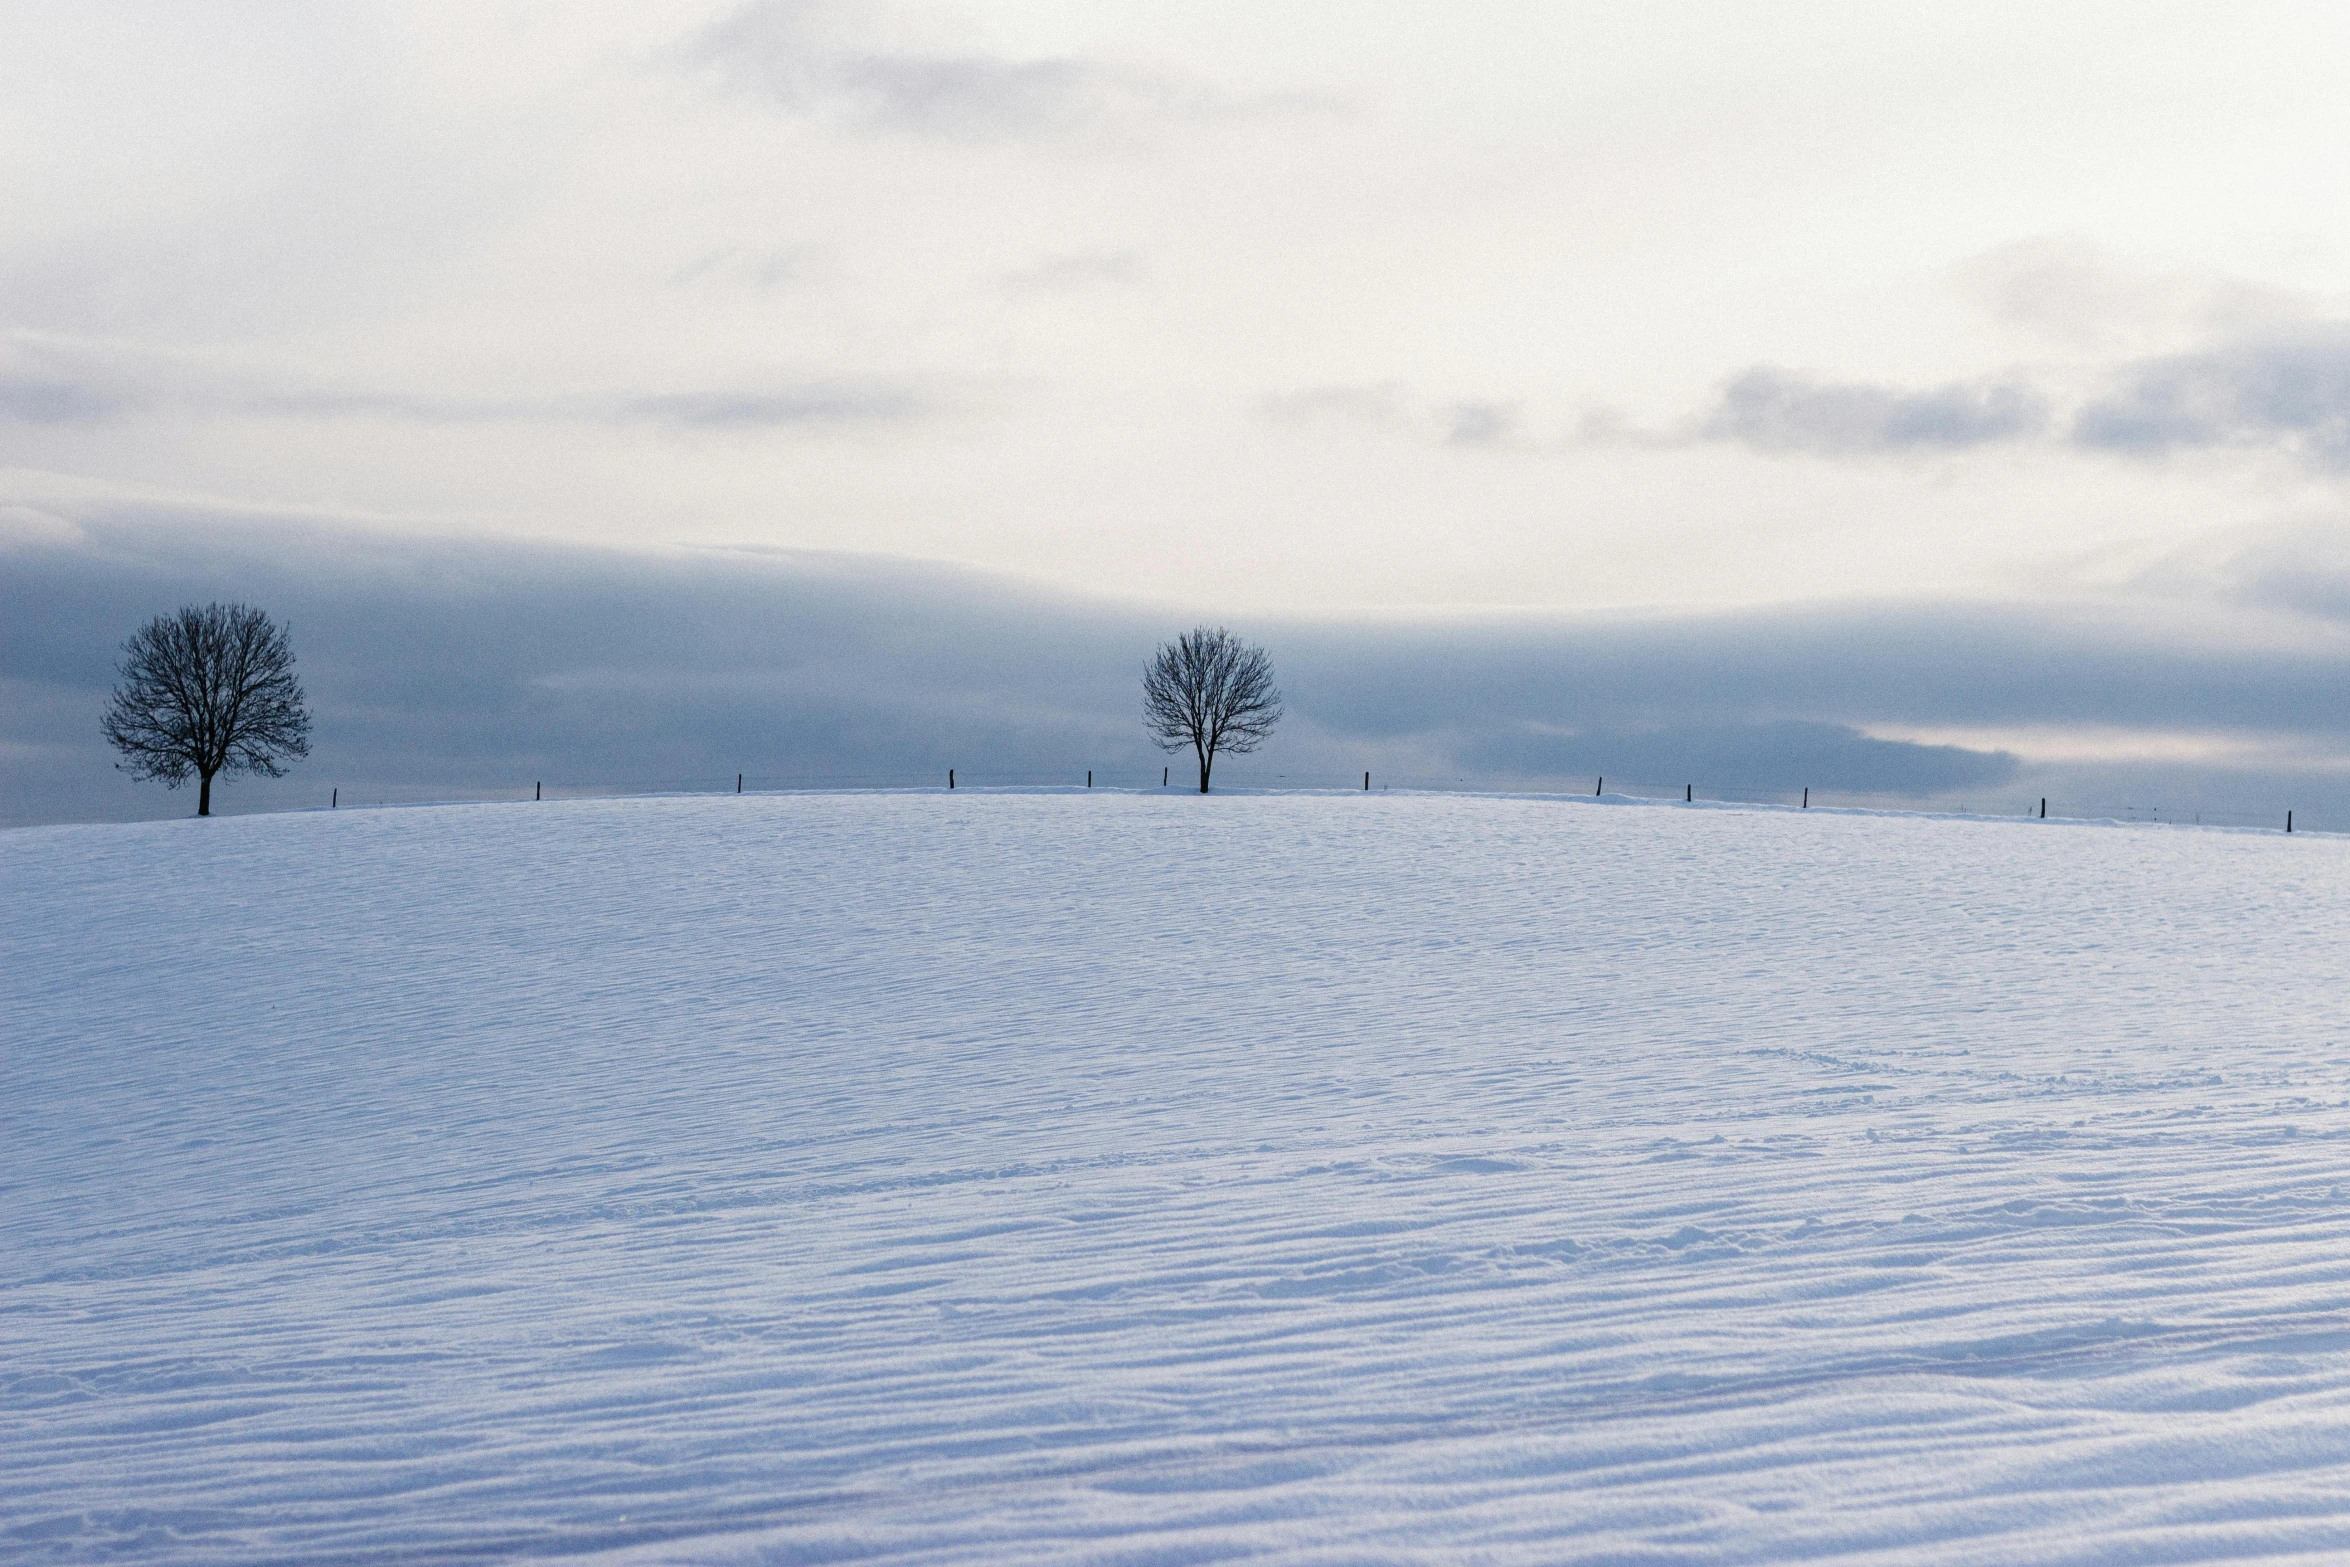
(208, 691)
(1211, 691)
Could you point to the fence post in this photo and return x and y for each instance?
(2288, 821)
(738, 783)
(334, 802)
(1688, 793)
(2043, 807)
(1089, 778)
(1599, 787)
(1807, 797)
(1163, 772)
(538, 791)
(1366, 783)
(950, 778)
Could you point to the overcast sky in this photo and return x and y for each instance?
(1489, 321)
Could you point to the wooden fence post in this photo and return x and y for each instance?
(950, 778)
(538, 791)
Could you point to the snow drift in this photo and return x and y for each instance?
(894, 1178)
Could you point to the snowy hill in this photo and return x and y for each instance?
(1041, 1178)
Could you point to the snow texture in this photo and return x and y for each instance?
(1154, 1179)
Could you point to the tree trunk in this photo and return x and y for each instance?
(1207, 759)
(204, 796)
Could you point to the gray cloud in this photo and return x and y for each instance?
(1913, 664)
(1480, 424)
(2290, 390)
(2302, 569)
(1374, 405)
(769, 408)
(1769, 410)
(449, 665)
(1761, 757)
(803, 56)
(972, 96)
(49, 380)
(71, 383)
(802, 406)
(757, 269)
(1780, 411)
(2284, 388)
(46, 400)
(1476, 423)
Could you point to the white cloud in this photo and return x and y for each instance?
(1077, 272)
(2072, 293)
(856, 276)
(29, 527)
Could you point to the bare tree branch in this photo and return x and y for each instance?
(1211, 691)
(207, 691)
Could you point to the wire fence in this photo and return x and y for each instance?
(1175, 780)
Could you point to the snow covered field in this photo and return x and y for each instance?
(1116, 1178)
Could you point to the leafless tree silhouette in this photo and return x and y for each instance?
(208, 691)
(1211, 691)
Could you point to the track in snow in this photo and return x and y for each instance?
(1051, 1177)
